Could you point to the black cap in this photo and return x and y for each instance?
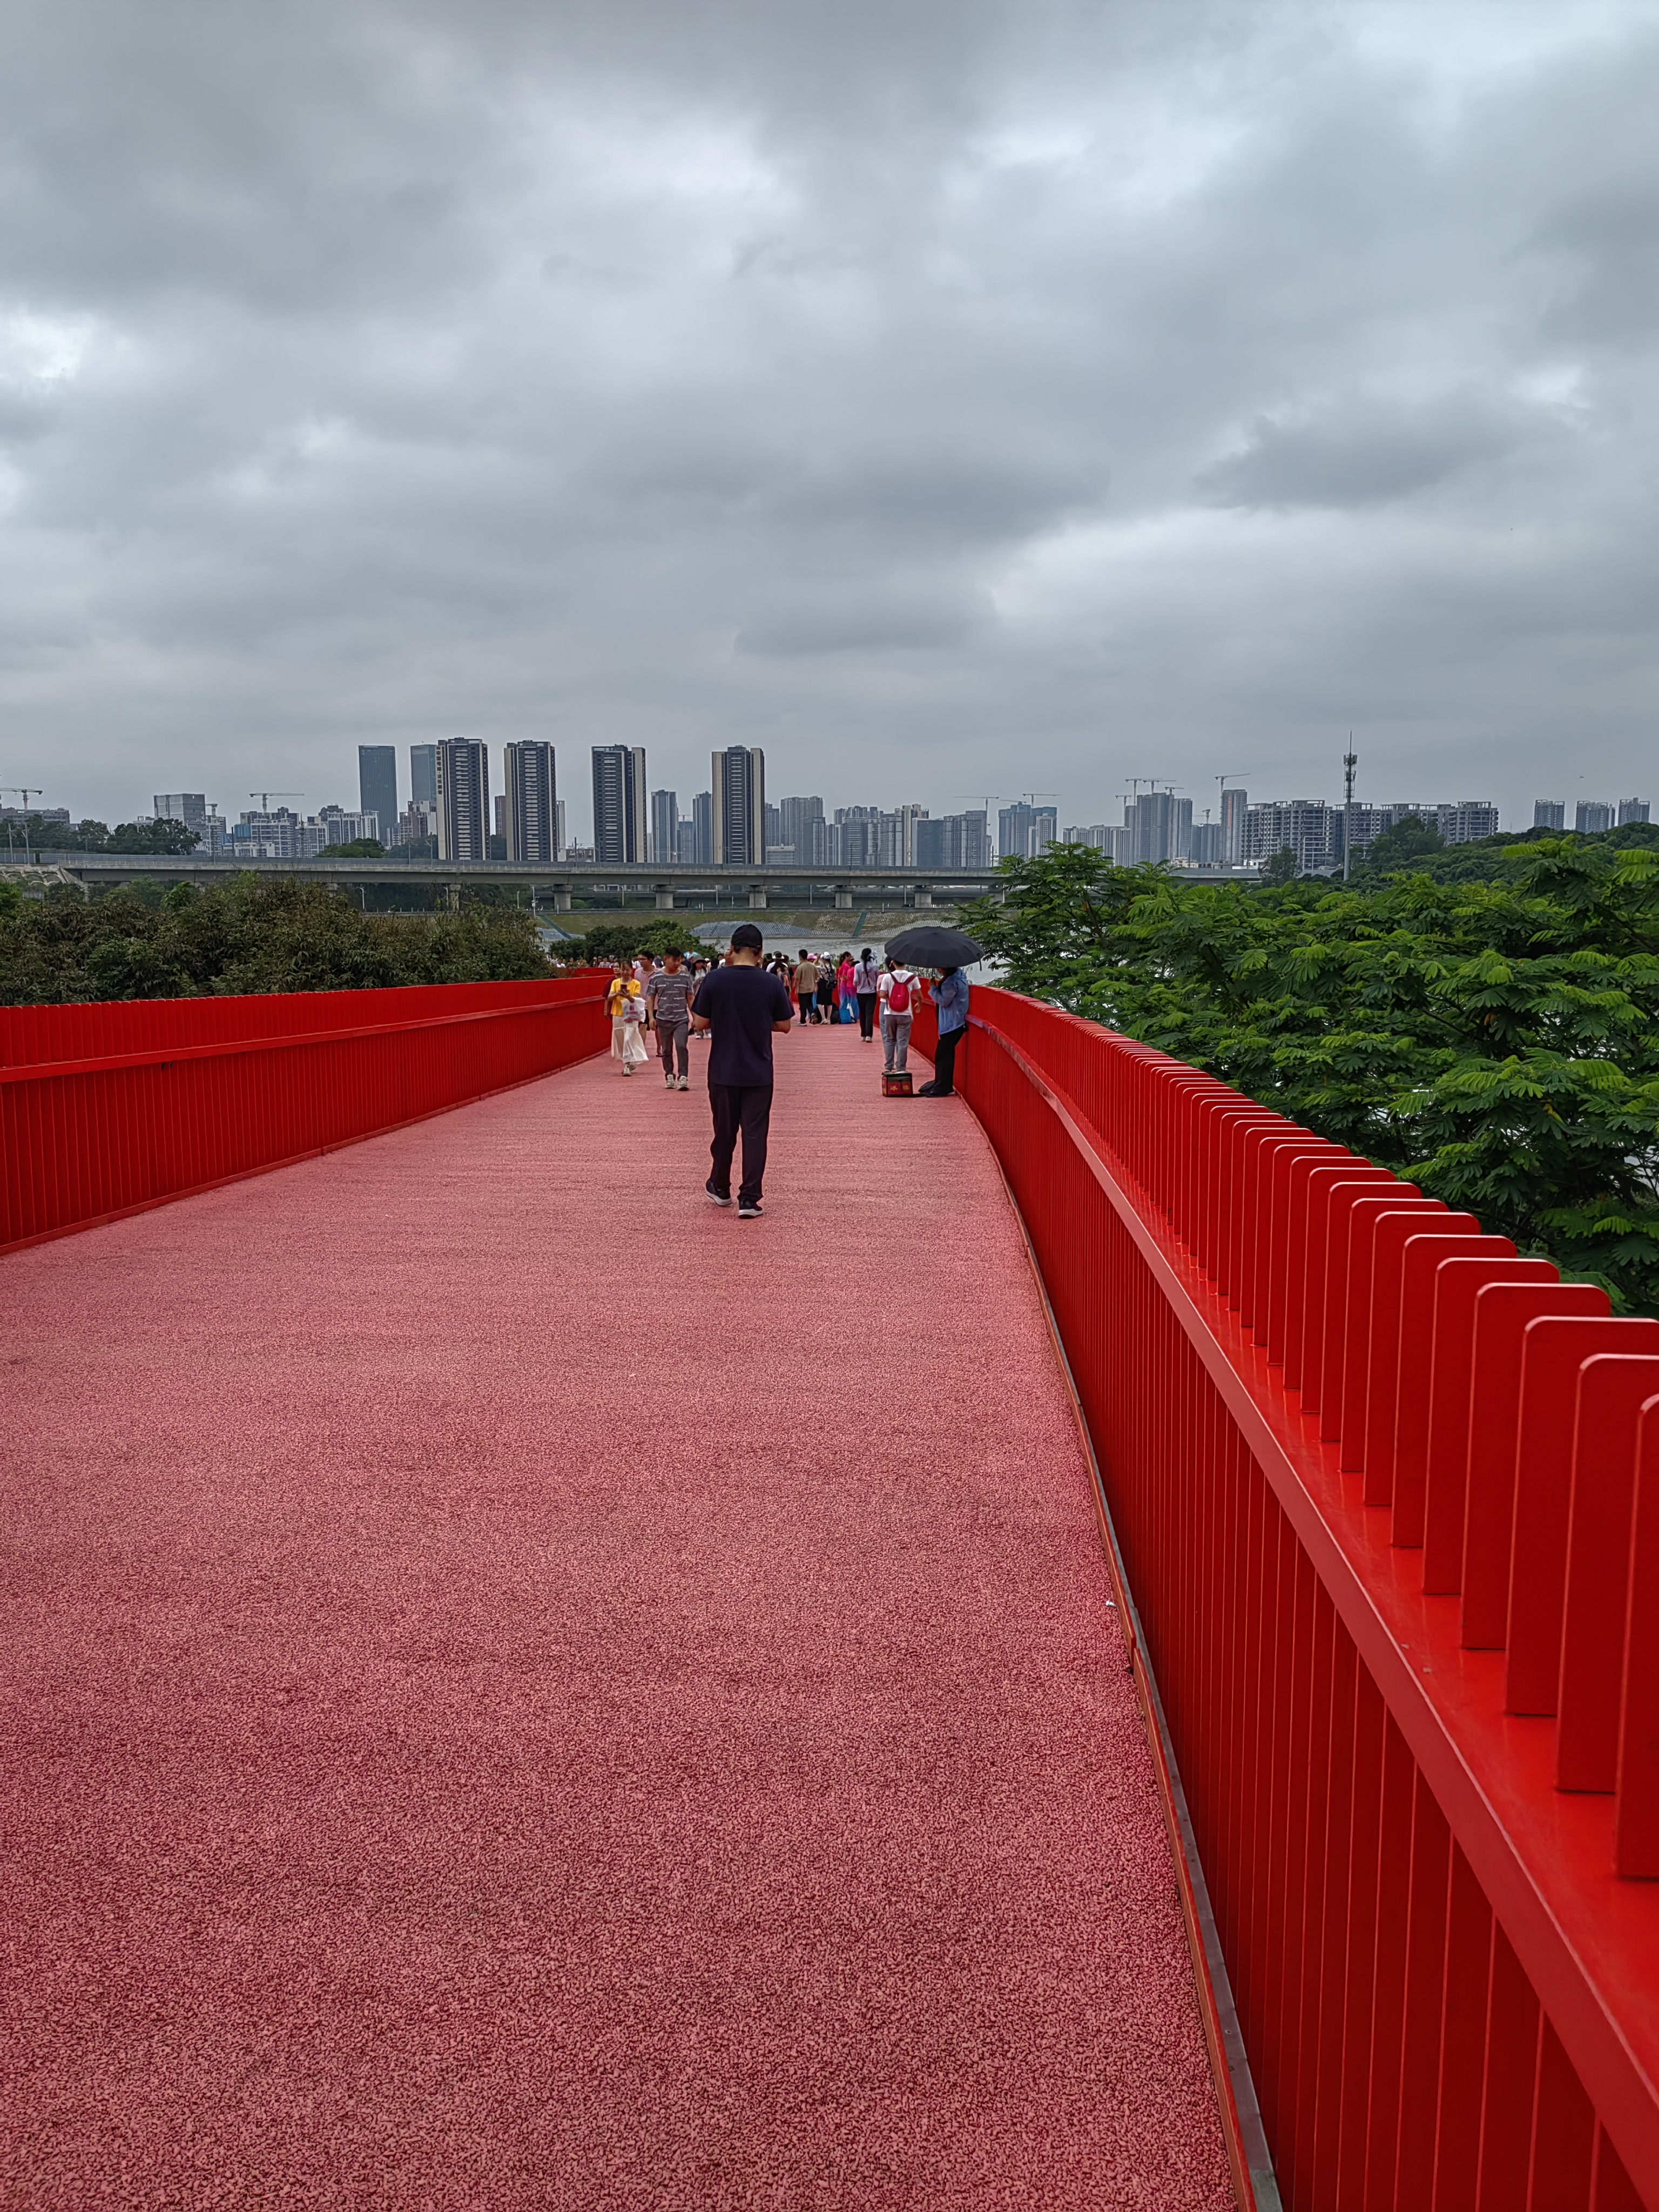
(745, 938)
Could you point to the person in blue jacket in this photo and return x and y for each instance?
(950, 998)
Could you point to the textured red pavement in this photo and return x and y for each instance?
(522, 1689)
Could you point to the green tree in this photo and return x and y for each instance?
(605, 941)
(1494, 1042)
(355, 848)
(1279, 867)
(1411, 840)
(251, 934)
(163, 836)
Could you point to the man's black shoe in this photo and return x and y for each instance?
(720, 1198)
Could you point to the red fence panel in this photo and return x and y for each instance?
(106, 1110)
(1385, 1498)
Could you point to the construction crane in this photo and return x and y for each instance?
(25, 791)
(264, 798)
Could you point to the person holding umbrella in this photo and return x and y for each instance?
(950, 951)
(950, 998)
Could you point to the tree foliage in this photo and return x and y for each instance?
(1493, 1041)
(247, 935)
(605, 941)
(162, 837)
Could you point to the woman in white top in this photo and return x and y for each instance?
(867, 989)
(897, 988)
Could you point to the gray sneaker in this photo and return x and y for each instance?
(683, 1084)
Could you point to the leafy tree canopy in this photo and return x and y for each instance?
(247, 935)
(164, 837)
(1493, 1041)
(606, 941)
(1410, 839)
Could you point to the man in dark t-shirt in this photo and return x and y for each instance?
(744, 1008)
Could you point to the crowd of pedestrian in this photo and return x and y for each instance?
(739, 1004)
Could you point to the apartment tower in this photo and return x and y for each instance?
(532, 826)
(462, 799)
(621, 823)
(739, 807)
(377, 788)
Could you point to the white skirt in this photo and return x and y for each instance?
(628, 1042)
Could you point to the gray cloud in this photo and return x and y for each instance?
(1362, 454)
(949, 397)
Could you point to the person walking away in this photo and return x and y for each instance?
(742, 1008)
(806, 987)
(668, 999)
(827, 990)
(867, 989)
(898, 989)
(625, 1004)
(949, 997)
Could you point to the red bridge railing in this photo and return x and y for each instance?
(1386, 1500)
(106, 1110)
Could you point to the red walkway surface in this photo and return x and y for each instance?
(522, 1689)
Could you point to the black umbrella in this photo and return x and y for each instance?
(930, 945)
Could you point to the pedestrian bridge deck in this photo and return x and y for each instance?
(523, 1689)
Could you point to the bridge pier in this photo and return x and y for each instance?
(560, 900)
(758, 898)
(843, 898)
(665, 898)
(924, 894)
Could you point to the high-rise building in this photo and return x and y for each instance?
(377, 783)
(1305, 825)
(1549, 814)
(340, 827)
(664, 826)
(1234, 805)
(1160, 826)
(621, 825)
(531, 826)
(953, 840)
(462, 800)
(1632, 810)
(424, 775)
(1591, 818)
(800, 832)
(279, 835)
(419, 821)
(189, 807)
(560, 848)
(1466, 821)
(739, 807)
(1206, 846)
(702, 828)
(1025, 830)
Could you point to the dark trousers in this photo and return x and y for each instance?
(866, 1013)
(748, 1107)
(670, 1038)
(945, 1059)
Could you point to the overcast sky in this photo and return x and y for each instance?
(955, 396)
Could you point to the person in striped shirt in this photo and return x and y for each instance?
(668, 998)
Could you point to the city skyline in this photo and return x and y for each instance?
(648, 821)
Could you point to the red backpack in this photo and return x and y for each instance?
(898, 998)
